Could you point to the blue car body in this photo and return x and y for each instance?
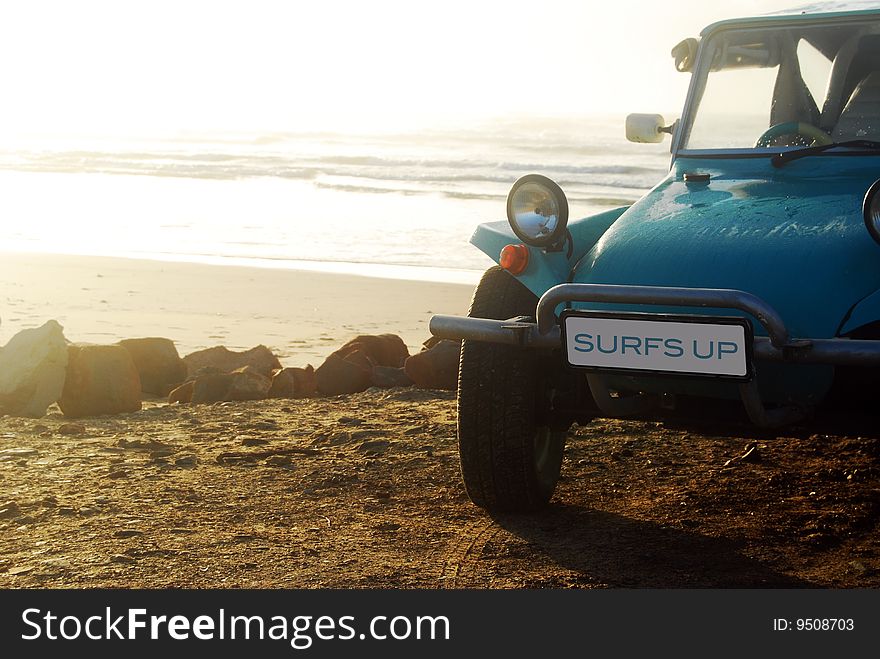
(794, 236)
(750, 272)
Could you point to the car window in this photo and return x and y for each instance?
(815, 68)
(785, 86)
(735, 109)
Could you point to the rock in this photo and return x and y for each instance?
(382, 349)
(248, 384)
(435, 367)
(32, 370)
(853, 566)
(211, 388)
(24, 569)
(100, 380)
(9, 510)
(338, 439)
(71, 429)
(158, 364)
(360, 358)
(220, 357)
(127, 533)
(263, 424)
(374, 446)
(183, 393)
(243, 384)
(56, 566)
(143, 444)
(283, 384)
(294, 383)
(819, 539)
(253, 441)
(350, 369)
(344, 374)
(206, 370)
(387, 377)
(186, 461)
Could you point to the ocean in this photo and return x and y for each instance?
(385, 204)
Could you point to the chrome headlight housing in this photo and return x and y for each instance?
(537, 210)
(871, 210)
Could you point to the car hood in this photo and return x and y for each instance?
(793, 236)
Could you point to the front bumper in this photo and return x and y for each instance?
(777, 346)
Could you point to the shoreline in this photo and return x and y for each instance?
(302, 315)
(356, 268)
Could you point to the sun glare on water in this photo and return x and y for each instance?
(359, 132)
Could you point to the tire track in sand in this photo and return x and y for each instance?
(465, 550)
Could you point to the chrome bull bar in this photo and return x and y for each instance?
(777, 346)
(724, 298)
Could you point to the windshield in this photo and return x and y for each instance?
(787, 87)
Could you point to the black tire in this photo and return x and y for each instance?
(510, 457)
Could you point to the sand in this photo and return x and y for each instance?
(301, 315)
(364, 491)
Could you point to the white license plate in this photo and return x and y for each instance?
(658, 344)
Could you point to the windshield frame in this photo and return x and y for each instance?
(699, 79)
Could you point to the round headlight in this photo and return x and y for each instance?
(537, 211)
(871, 210)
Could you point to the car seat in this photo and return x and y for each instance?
(860, 118)
(792, 101)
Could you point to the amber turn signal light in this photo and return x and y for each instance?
(514, 258)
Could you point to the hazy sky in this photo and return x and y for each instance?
(160, 66)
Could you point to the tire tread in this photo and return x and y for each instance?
(496, 405)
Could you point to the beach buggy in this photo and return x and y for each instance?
(751, 272)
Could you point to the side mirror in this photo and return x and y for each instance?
(685, 54)
(646, 128)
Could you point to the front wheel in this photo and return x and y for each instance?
(510, 451)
